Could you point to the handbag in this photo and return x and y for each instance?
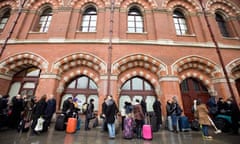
(39, 125)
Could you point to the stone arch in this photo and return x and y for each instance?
(80, 4)
(148, 4)
(233, 68)
(201, 64)
(189, 5)
(11, 4)
(13, 64)
(35, 4)
(228, 7)
(144, 73)
(141, 61)
(67, 76)
(67, 62)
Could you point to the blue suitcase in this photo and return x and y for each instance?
(184, 124)
(78, 124)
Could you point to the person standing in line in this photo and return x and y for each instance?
(175, 113)
(50, 109)
(169, 119)
(235, 116)
(139, 118)
(104, 123)
(144, 106)
(89, 114)
(110, 114)
(158, 112)
(202, 114)
(17, 109)
(38, 111)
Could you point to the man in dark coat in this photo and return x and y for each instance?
(89, 114)
(158, 112)
(50, 109)
(110, 114)
(17, 108)
(39, 111)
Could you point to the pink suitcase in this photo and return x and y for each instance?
(147, 132)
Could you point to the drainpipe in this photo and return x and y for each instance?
(217, 49)
(109, 66)
(21, 4)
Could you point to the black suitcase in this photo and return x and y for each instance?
(153, 121)
(60, 123)
(195, 125)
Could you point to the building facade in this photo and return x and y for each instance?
(131, 49)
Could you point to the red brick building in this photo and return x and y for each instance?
(135, 49)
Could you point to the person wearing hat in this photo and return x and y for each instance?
(89, 114)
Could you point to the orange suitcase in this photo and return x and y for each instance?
(71, 125)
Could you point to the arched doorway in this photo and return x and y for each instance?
(192, 88)
(83, 88)
(238, 85)
(137, 88)
(25, 82)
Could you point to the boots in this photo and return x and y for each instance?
(139, 133)
(175, 129)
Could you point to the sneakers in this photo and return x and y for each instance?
(208, 137)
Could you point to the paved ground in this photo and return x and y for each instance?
(95, 136)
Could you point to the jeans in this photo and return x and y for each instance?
(111, 130)
(205, 130)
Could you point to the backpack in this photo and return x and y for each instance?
(84, 108)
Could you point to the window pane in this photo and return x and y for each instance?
(131, 29)
(29, 85)
(122, 100)
(92, 85)
(131, 24)
(137, 84)
(126, 86)
(147, 86)
(14, 89)
(139, 24)
(33, 72)
(82, 82)
(72, 84)
(130, 18)
(140, 30)
(150, 100)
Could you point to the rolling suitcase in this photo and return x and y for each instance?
(147, 133)
(184, 124)
(128, 128)
(60, 123)
(78, 124)
(71, 125)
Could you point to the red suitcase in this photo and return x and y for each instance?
(71, 125)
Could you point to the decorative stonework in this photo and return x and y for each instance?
(36, 4)
(139, 61)
(196, 66)
(227, 6)
(189, 5)
(233, 68)
(146, 4)
(80, 4)
(15, 63)
(79, 60)
(12, 4)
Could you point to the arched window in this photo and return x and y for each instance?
(4, 16)
(221, 25)
(180, 23)
(135, 20)
(25, 82)
(89, 20)
(44, 20)
(137, 88)
(82, 88)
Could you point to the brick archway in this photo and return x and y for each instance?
(230, 8)
(190, 5)
(79, 59)
(233, 68)
(12, 64)
(148, 4)
(141, 61)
